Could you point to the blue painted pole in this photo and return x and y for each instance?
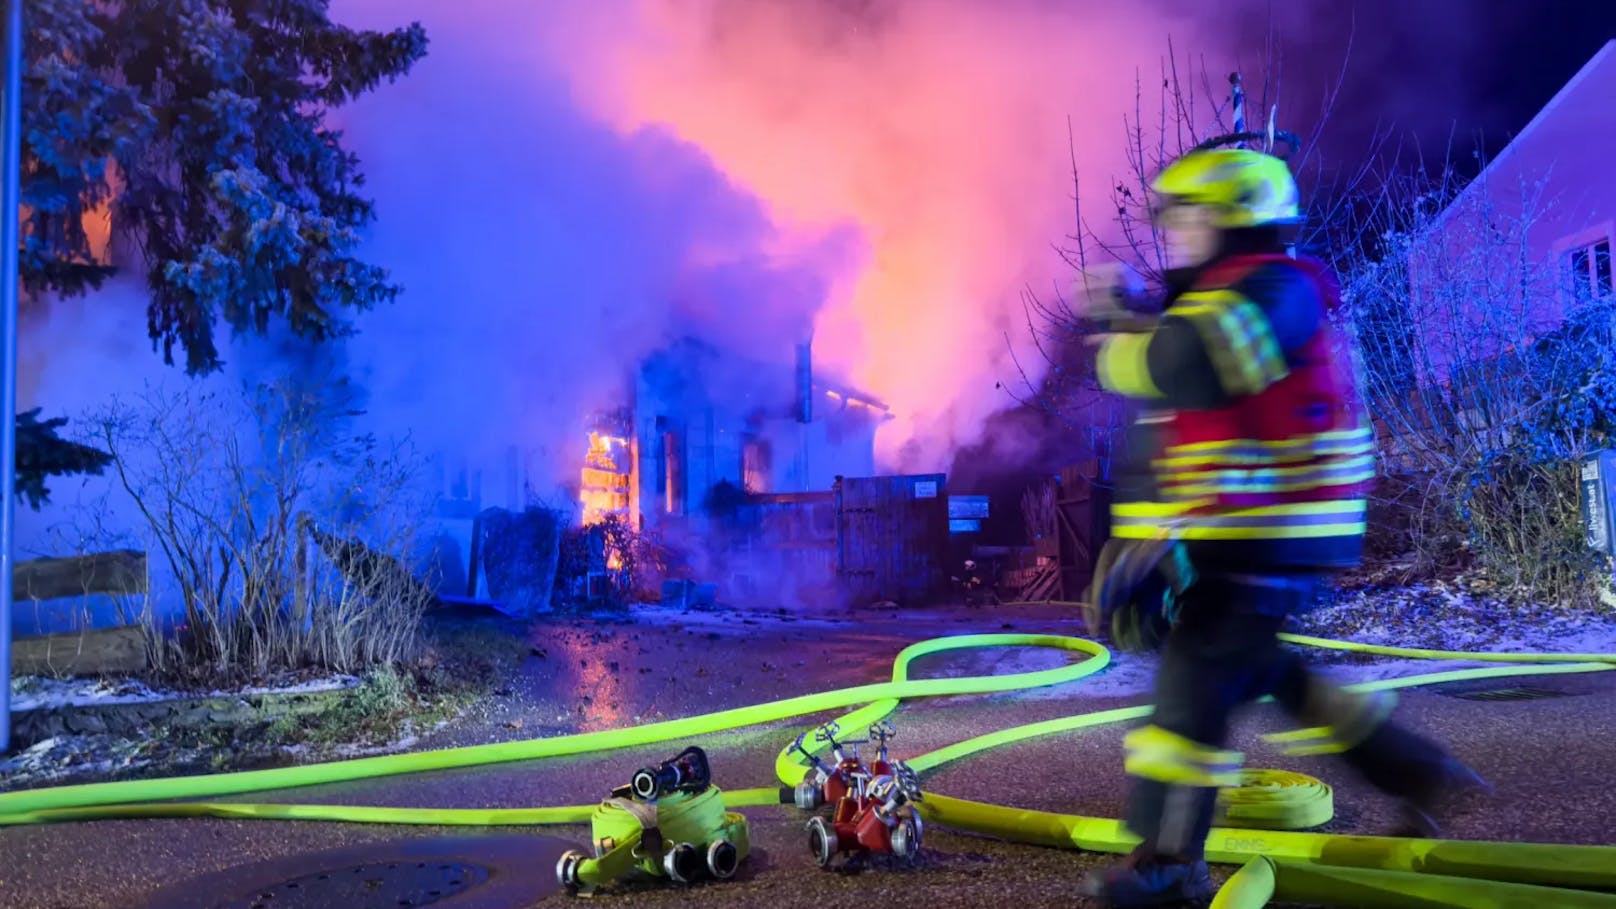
(1237, 98)
(10, 208)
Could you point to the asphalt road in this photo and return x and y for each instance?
(1549, 758)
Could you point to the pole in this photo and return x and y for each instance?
(1237, 102)
(10, 207)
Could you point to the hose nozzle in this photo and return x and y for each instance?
(686, 772)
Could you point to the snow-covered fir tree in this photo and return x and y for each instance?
(199, 128)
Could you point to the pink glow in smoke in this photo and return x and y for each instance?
(938, 128)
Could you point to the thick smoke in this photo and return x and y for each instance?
(544, 254)
(937, 129)
(564, 187)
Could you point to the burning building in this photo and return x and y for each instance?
(704, 430)
(706, 423)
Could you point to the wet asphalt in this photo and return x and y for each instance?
(1549, 759)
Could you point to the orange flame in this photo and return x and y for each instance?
(939, 131)
(604, 485)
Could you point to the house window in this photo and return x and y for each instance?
(673, 459)
(756, 465)
(1589, 273)
(459, 487)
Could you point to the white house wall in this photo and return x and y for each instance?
(1559, 176)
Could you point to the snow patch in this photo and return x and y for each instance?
(1434, 617)
(720, 619)
(36, 692)
(70, 757)
(1450, 616)
(330, 683)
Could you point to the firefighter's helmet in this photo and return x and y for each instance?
(1239, 187)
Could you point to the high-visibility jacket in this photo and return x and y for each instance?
(1255, 448)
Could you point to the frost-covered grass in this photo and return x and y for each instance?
(36, 692)
(1455, 615)
(388, 710)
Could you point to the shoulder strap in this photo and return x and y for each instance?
(1231, 271)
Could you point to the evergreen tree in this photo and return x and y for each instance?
(41, 454)
(199, 127)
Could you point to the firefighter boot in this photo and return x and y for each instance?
(1426, 781)
(1146, 879)
(1421, 809)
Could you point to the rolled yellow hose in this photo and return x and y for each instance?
(1276, 800)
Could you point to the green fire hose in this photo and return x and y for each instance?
(1280, 862)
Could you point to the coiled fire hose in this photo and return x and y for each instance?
(704, 837)
(1279, 864)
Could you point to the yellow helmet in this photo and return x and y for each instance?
(1244, 188)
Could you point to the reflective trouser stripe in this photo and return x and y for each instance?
(1153, 753)
(1358, 716)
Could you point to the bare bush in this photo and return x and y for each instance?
(610, 563)
(1185, 106)
(222, 485)
(1487, 377)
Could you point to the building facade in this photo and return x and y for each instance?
(1531, 237)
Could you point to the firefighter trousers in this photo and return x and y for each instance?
(1223, 653)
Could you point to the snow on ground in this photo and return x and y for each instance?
(720, 619)
(329, 683)
(73, 758)
(1447, 616)
(68, 757)
(1439, 616)
(35, 692)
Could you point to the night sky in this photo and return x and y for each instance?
(1433, 71)
(1551, 40)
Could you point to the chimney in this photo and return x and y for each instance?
(805, 381)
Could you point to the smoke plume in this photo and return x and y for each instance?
(564, 187)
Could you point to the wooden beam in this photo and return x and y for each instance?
(119, 571)
(100, 652)
(301, 580)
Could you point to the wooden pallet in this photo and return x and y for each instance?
(1043, 586)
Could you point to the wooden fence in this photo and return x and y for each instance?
(120, 649)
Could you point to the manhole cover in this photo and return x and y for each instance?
(375, 885)
(1507, 694)
(458, 871)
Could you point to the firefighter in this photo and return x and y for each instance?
(1245, 489)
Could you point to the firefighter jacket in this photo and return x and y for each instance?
(1254, 448)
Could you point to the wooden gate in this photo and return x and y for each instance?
(1082, 523)
(892, 538)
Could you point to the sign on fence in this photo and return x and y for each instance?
(1598, 475)
(960, 507)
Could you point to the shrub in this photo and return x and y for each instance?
(224, 487)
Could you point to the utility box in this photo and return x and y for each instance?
(1598, 501)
